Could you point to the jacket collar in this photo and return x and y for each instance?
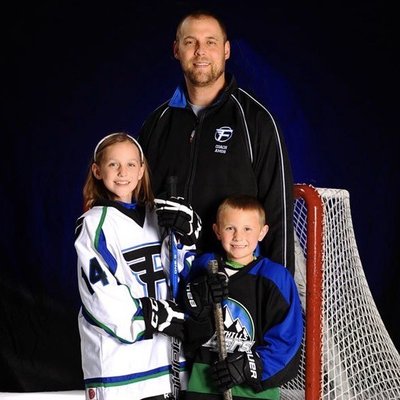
(179, 98)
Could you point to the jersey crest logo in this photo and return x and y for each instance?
(239, 328)
(145, 263)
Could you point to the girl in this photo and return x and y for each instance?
(125, 318)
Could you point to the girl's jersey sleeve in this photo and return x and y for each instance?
(105, 291)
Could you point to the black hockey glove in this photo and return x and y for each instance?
(203, 292)
(197, 332)
(237, 368)
(177, 214)
(162, 316)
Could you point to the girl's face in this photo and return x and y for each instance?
(239, 232)
(120, 170)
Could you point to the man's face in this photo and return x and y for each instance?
(202, 51)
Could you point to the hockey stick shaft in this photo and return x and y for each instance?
(173, 276)
(219, 326)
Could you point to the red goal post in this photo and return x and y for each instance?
(314, 251)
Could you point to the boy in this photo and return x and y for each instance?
(262, 315)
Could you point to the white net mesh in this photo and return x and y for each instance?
(359, 358)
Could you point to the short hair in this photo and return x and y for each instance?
(199, 14)
(242, 202)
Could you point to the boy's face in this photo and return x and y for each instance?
(239, 232)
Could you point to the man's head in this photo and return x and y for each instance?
(202, 47)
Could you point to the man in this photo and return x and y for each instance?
(218, 140)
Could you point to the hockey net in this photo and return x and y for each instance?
(347, 351)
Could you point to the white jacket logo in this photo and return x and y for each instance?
(223, 134)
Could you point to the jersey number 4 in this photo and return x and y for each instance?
(97, 273)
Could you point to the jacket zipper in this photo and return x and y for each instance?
(194, 138)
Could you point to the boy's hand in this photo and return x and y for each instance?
(203, 292)
(218, 285)
(237, 368)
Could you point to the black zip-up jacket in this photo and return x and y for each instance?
(233, 146)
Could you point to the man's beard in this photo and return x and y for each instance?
(201, 78)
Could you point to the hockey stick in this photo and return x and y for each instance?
(219, 326)
(173, 277)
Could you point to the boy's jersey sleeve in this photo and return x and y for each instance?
(107, 301)
(281, 349)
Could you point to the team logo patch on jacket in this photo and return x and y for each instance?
(222, 135)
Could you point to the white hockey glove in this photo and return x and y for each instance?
(162, 316)
(177, 214)
(237, 368)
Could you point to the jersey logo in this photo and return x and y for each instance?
(91, 394)
(145, 263)
(239, 328)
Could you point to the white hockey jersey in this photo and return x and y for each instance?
(118, 262)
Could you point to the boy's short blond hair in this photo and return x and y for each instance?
(242, 202)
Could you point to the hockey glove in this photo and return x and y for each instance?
(175, 213)
(237, 368)
(162, 316)
(203, 292)
(197, 332)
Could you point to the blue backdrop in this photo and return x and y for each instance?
(75, 71)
